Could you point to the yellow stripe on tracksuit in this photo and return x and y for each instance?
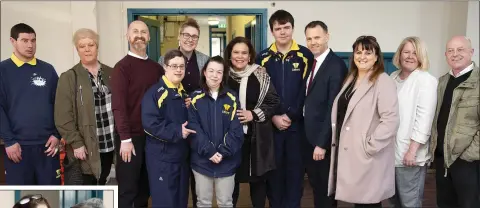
(265, 60)
(305, 60)
(194, 100)
(160, 100)
(234, 105)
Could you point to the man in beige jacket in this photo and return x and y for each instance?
(455, 132)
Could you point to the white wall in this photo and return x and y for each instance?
(473, 28)
(7, 198)
(203, 41)
(390, 22)
(108, 199)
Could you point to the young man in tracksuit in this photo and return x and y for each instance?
(219, 136)
(164, 119)
(287, 63)
(27, 97)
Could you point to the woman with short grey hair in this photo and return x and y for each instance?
(83, 113)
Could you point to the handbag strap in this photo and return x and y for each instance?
(75, 103)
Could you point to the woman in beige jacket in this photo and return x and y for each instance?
(364, 123)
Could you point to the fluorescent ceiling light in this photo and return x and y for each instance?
(213, 22)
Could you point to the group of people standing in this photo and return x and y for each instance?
(264, 118)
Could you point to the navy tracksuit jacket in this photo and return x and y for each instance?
(218, 130)
(163, 113)
(288, 74)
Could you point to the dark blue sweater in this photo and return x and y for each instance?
(27, 98)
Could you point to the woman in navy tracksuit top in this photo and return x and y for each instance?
(215, 146)
(164, 119)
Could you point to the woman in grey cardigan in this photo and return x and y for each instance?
(258, 100)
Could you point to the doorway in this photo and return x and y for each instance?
(158, 32)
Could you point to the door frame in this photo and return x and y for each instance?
(157, 24)
(224, 34)
(259, 13)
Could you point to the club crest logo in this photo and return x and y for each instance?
(226, 108)
(295, 67)
(38, 81)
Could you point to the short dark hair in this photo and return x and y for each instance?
(20, 28)
(171, 55)
(281, 17)
(203, 79)
(229, 49)
(368, 43)
(190, 22)
(316, 23)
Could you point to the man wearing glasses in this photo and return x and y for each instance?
(188, 41)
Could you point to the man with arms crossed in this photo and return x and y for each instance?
(323, 84)
(455, 139)
(132, 77)
(27, 97)
(288, 64)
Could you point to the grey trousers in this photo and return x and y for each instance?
(409, 185)
(223, 190)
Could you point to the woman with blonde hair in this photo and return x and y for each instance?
(417, 97)
(83, 114)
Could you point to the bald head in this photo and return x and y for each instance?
(138, 36)
(460, 39)
(459, 53)
(137, 24)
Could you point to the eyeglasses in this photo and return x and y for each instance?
(187, 36)
(27, 200)
(451, 51)
(181, 67)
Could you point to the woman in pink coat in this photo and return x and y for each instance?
(364, 124)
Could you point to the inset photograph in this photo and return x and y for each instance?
(57, 198)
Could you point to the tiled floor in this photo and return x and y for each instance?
(307, 200)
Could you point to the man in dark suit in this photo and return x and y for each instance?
(323, 85)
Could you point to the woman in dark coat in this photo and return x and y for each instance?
(255, 113)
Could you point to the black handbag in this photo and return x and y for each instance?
(71, 166)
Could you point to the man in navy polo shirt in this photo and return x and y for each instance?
(27, 97)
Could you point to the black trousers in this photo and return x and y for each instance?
(258, 193)
(106, 159)
(461, 185)
(317, 172)
(192, 189)
(132, 176)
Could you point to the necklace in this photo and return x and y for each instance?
(350, 91)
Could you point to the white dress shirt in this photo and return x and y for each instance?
(319, 60)
(137, 56)
(464, 71)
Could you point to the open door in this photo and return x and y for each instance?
(153, 48)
